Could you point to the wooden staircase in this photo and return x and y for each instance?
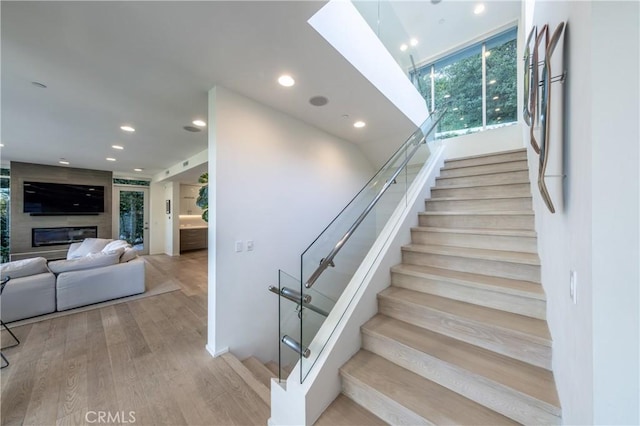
(460, 336)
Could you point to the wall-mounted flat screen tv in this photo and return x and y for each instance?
(43, 198)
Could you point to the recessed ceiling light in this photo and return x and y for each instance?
(199, 123)
(461, 118)
(63, 161)
(479, 9)
(497, 109)
(39, 85)
(1, 145)
(495, 98)
(487, 53)
(492, 82)
(359, 124)
(127, 128)
(447, 96)
(111, 159)
(117, 146)
(499, 118)
(413, 42)
(403, 47)
(138, 170)
(456, 108)
(286, 80)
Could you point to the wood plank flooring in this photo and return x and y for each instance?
(143, 362)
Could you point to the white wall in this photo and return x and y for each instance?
(172, 222)
(157, 218)
(594, 232)
(494, 140)
(275, 181)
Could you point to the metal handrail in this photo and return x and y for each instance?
(296, 298)
(328, 260)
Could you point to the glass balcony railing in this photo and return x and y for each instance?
(331, 260)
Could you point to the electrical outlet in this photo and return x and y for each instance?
(238, 246)
(573, 286)
(249, 245)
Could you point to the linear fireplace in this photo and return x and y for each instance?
(61, 235)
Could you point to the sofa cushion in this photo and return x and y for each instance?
(88, 246)
(24, 268)
(129, 254)
(116, 244)
(93, 260)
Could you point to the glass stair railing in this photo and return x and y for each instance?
(329, 263)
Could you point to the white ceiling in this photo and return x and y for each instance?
(150, 64)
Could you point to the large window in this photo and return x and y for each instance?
(4, 215)
(477, 84)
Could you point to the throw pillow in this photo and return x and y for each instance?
(90, 245)
(91, 261)
(129, 254)
(116, 244)
(24, 268)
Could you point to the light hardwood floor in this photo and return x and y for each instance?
(146, 357)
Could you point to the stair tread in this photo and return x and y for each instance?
(480, 213)
(505, 285)
(482, 173)
(525, 378)
(344, 411)
(479, 197)
(421, 396)
(490, 154)
(248, 377)
(535, 329)
(453, 166)
(476, 185)
(262, 373)
(478, 231)
(476, 253)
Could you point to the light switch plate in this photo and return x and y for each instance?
(238, 246)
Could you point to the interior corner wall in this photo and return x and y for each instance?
(594, 231)
(615, 65)
(278, 182)
(493, 140)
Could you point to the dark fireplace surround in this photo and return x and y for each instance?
(61, 235)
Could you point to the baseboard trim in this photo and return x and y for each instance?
(213, 351)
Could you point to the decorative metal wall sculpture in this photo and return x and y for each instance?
(532, 83)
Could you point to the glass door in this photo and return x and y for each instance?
(131, 211)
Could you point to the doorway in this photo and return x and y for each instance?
(131, 216)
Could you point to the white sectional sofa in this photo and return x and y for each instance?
(95, 270)
(31, 290)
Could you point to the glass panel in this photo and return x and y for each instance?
(289, 325)
(458, 85)
(350, 236)
(132, 218)
(502, 98)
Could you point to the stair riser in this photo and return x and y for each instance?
(499, 398)
(520, 189)
(493, 159)
(524, 222)
(491, 242)
(503, 341)
(379, 404)
(516, 271)
(434, 205)
(489, 298)
(497, 178)
(484, 169)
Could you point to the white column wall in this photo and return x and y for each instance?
(278, 182)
